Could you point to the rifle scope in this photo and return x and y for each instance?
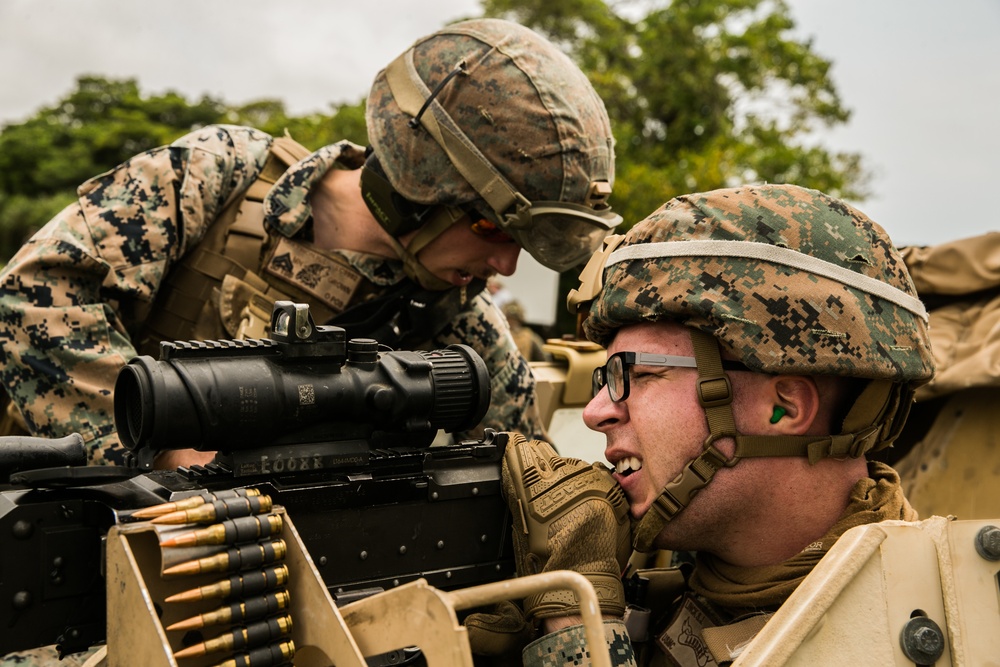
(305, 383)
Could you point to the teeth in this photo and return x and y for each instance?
(628, 464)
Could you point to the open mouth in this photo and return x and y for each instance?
(628, 465)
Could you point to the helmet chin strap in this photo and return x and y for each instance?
(442, 218)
(868, 425)
(715, 393)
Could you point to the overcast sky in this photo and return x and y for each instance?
(922, 77)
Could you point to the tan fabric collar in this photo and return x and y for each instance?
(286, 207)
(739, 590)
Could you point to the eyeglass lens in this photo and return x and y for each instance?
(612, 375)
(617, 378)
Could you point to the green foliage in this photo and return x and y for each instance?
(100, 124)
(702, 94)
(313, 130)
(103, 122)
(22, 215)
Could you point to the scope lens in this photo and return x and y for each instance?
(129, 411)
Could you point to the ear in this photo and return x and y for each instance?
(798, 395)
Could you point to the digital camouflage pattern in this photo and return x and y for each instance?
(287, 210)
(46, 656)
(567, 648)
(75, 296)
(774, 318)
(525, 105)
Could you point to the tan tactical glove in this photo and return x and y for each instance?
(500, 633)
(567, 515)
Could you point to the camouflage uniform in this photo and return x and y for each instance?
(74, 298)
(46, 656)
(787, 281)
(484, 117)
(716, 594)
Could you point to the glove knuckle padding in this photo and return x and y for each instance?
(501, 631)
(568, 515)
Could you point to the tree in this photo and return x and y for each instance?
(702, 94)
(20, 216)
(346, 121)
(100, 124)
(103, 122)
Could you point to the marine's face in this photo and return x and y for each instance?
(458, 255)
(660, 426)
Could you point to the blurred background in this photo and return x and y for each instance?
(890, 105)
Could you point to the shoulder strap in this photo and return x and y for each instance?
(11, 420)
(244, 235)
(231, 246)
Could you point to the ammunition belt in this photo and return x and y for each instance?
(242, 615)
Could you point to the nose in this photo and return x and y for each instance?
(602, 414)
(504, 259)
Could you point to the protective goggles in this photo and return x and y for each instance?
(546, 237)
(615, 373)
(559, 235)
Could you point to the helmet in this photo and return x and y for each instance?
(488, 116)
(788, 281)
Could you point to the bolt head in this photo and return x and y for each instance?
(922, 640)
(22, 529)
(988, 542)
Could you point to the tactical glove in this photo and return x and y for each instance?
(567, 515)
(500, 633)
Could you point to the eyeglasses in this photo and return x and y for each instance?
(615, 373)
(487, 230)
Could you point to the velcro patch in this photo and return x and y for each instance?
(328, 278)
(682, 641)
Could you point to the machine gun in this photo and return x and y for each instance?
(338, 432)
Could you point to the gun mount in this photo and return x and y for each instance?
(337, 432)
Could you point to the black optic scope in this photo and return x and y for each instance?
(304, 384)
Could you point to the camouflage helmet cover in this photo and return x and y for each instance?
(524, 104)
(774, 317)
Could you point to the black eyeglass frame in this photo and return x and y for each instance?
(625, 361)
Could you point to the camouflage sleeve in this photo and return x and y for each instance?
(513, 406)
(568, 647)
(73, 295)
